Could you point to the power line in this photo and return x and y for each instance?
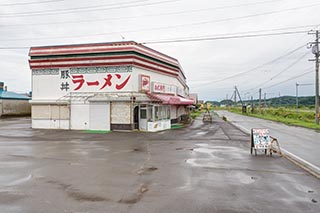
(196, 39)
(85, 9)
(150, 15)
(225, 37)
(245, 32)
(292, 78)
(282, 71)
(291, 65)
(29, 3)
(154, 42)
(257, 67)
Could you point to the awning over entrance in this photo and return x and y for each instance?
(170, 99)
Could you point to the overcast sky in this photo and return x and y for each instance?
(212, 67)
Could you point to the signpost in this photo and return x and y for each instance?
(260, 140)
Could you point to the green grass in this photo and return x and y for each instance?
(98, 131)
(176, 126)
(284, 115)
(196, 113)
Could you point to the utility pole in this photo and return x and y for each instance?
(279, 99)
(315, 51)
(265, 101)
(252, 107)
(260, 100)
(235, 96)
(297, 101)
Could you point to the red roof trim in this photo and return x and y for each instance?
(77, 49)
(104, 64)
(121, 43)
(171, 99)
(35, 61)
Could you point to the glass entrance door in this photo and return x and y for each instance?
(143, 118)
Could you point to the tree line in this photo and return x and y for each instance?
(283, 101)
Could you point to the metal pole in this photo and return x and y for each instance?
(260, 100)
(297, 101)
(315, 51)
(235, 97)
(317, 78)
(252, 107)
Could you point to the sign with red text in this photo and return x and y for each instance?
(145, 83)
(93, 79)
(163, 88)
(181, 92)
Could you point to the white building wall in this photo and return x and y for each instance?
(155, 77)
(121, 113)
(60, 87)
(180, 111)
(50, 116)
(79, 116)
(99, 116)
(93, 79)
(173, 112)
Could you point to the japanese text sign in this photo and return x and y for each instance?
(260, 138)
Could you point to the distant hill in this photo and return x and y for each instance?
(307, 101)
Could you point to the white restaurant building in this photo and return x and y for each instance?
(106, 86)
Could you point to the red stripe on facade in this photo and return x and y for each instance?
(158, 53)
(55, 60)
(76, 50)
(105, 64)
(126, 43)
(154, 69)
(70, 52)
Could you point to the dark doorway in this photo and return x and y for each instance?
(136, 117)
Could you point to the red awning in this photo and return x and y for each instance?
(171, 99)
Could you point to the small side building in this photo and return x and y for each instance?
(13, 104)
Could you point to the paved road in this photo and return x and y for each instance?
(201, 168)
(301, 142)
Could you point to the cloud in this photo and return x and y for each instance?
(203, 61)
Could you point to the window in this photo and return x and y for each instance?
(156, 113)
(143, 113)
(150, 111)
(161, 112)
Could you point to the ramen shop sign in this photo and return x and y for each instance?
(163, 88)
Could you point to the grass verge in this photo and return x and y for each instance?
(283, 115)
(176, 126)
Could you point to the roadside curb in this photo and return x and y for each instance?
(309, 167)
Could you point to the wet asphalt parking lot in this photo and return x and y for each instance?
(200, 168)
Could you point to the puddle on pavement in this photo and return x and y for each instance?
(134, 197)
(20, 181)
(22, 149)
(12, 164)
(79, 152)
(216, 156)
(244, 178)
(12, 180)
(201, 133)
(16, 133)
